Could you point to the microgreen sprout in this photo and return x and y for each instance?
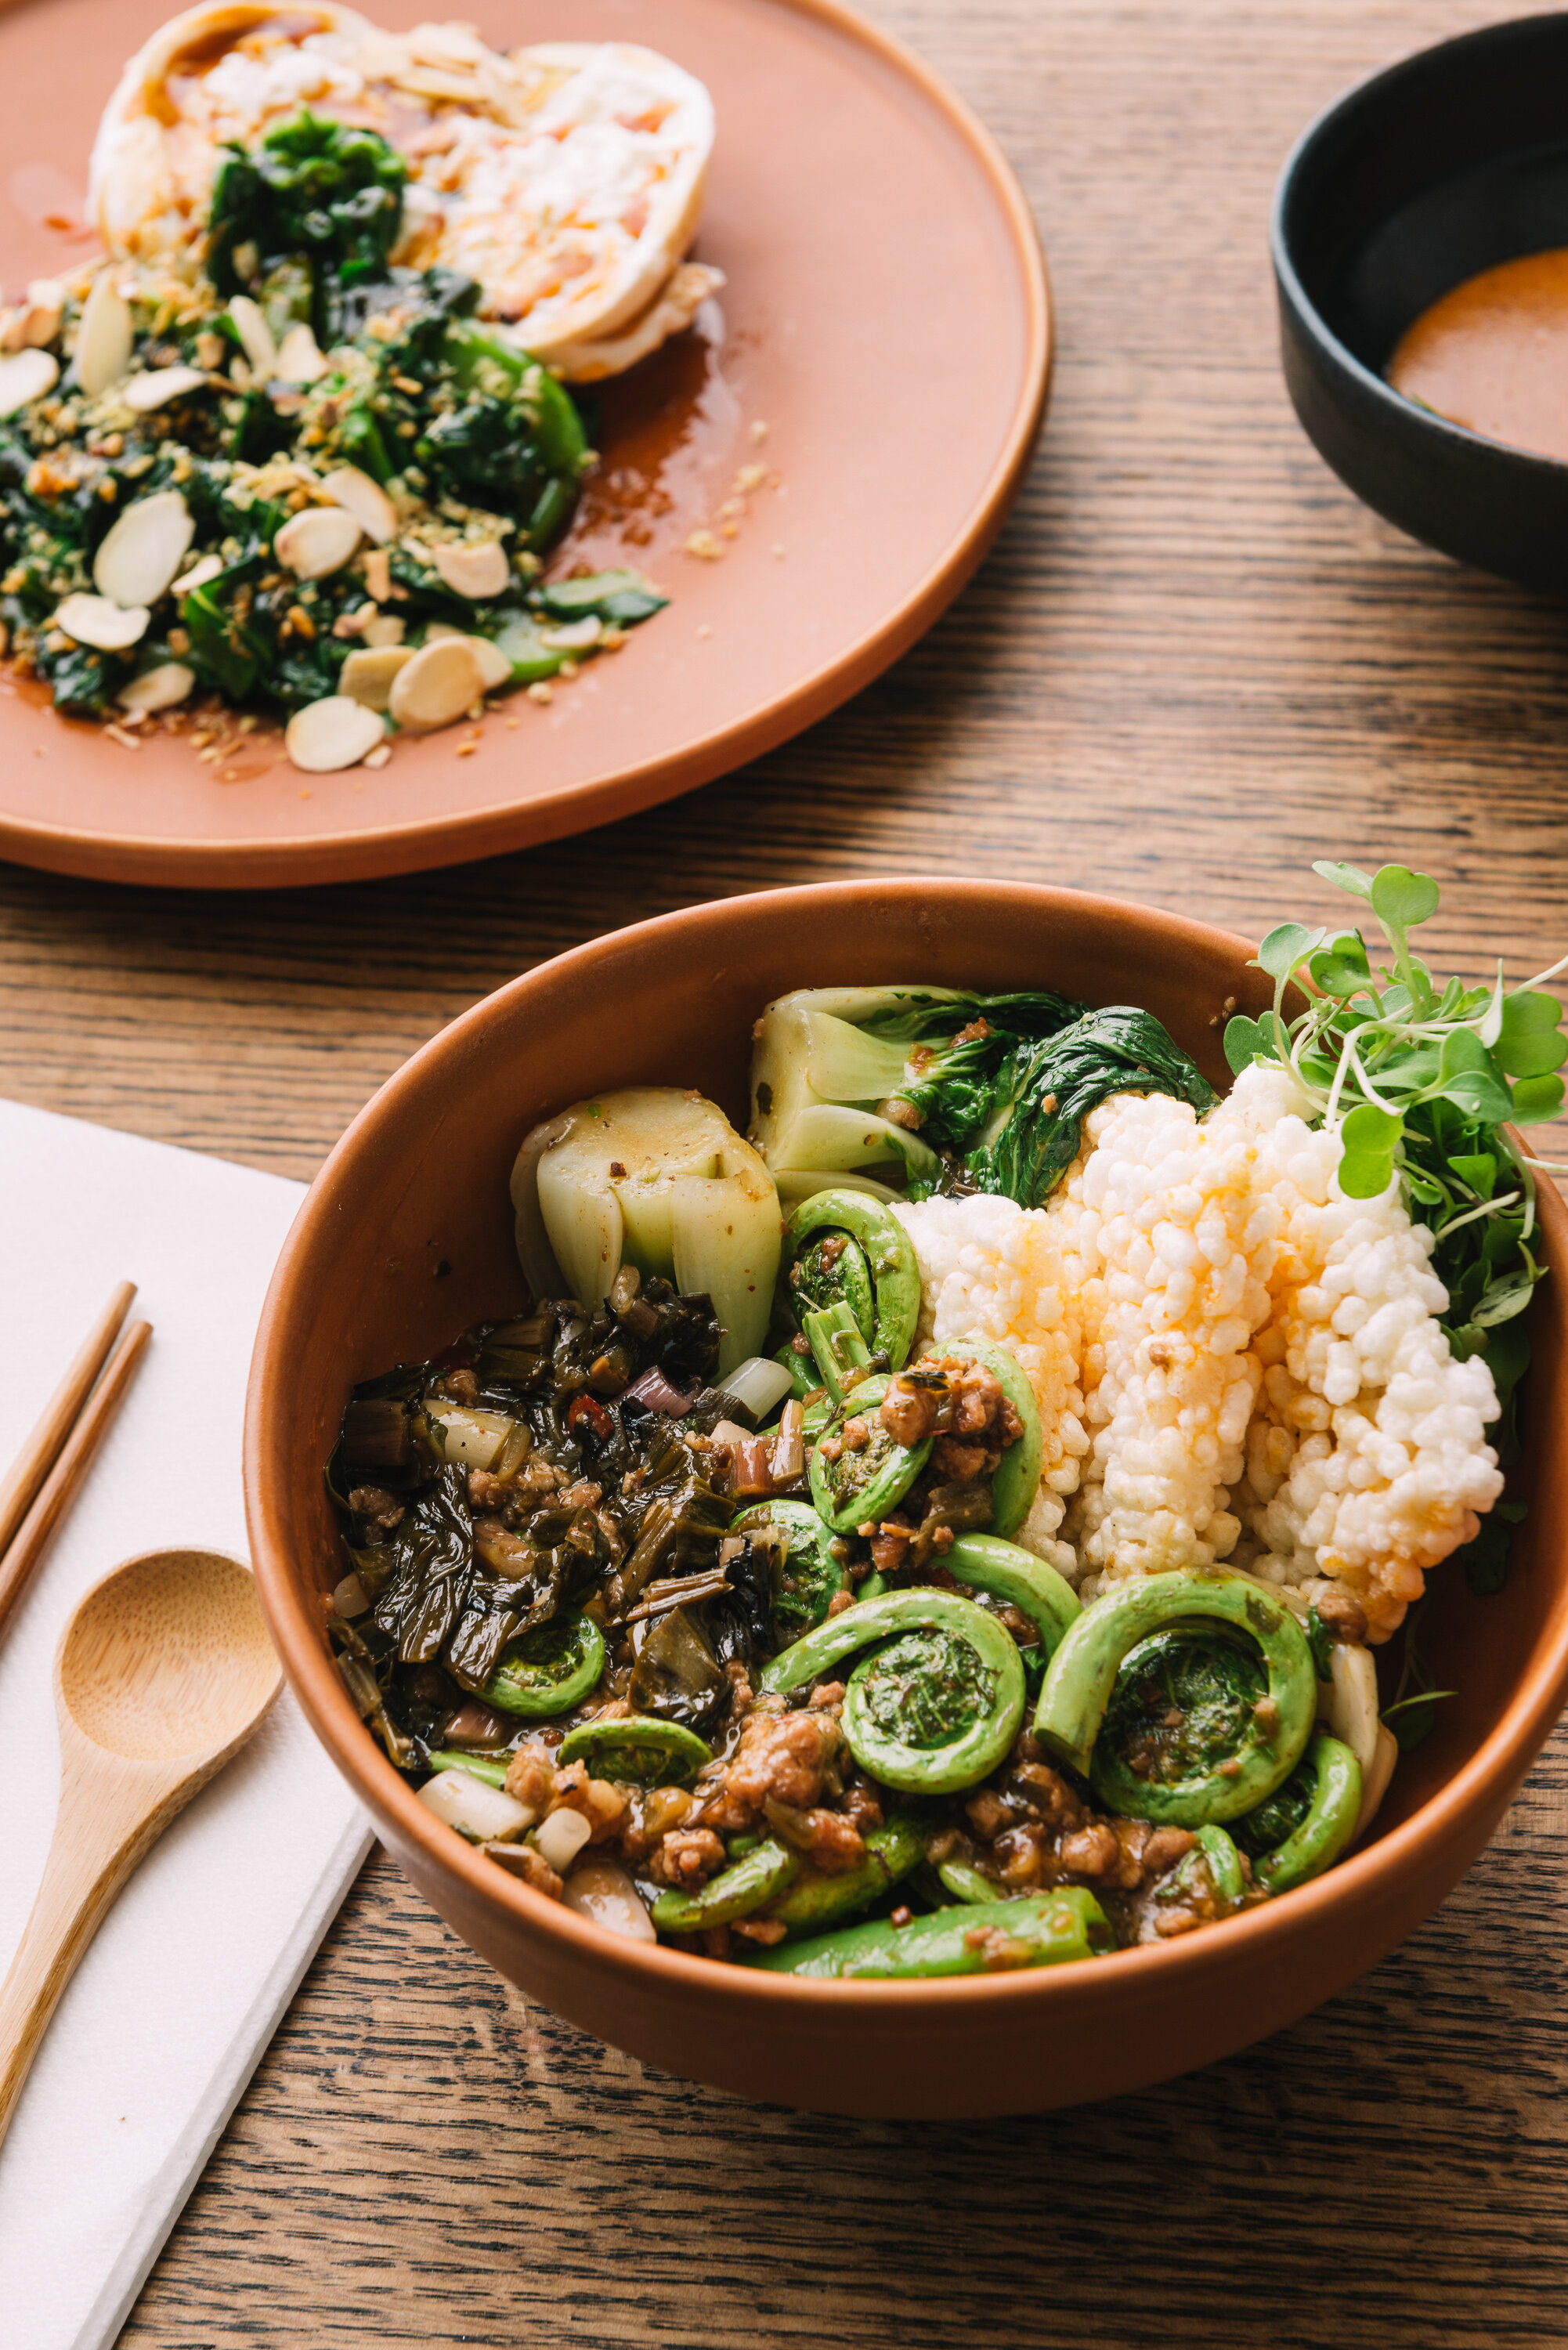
(1421, 1079)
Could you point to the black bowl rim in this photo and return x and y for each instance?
(1439, 431)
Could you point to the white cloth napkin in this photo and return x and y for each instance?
(193, 1967)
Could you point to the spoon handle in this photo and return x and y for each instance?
(106, 1823)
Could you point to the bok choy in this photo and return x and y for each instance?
(657, 1179)
(937, 1089)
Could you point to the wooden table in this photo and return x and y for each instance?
(1193, 665)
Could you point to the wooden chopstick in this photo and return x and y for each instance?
(59, 1486)
(19, 1486)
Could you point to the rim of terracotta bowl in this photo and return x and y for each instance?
(426, 843)
(1352, 1885)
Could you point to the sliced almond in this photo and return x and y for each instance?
(331, 733)
(473, 569)
(94, 620)
(573, 636)
(367, 676)
(208, 568)
(299, 357)
(158, 689)
(365, 500)
(494, 666)
(443, 680)
(255, 336)
(105, 336)
(42, 313)
(143, 393)
(26, 377)
(144, 550)
(379, 573)
(385, 629)
(320, 540)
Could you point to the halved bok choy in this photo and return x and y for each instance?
(657, 1178)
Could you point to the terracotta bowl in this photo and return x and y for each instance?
(406, 1237)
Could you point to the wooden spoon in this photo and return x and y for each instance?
(163, 1671)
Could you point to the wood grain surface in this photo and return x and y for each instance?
(1193, 665)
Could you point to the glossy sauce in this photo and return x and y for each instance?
(1492, 355)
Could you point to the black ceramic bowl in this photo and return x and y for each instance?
(1446, 164)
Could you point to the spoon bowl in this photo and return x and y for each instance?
(163, 1671)
(167, 1657)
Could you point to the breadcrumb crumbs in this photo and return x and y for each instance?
(704, 547)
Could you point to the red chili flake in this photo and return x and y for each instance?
(588, 1408)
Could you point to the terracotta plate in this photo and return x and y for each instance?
(885, 318)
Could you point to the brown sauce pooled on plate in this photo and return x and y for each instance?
(1492, 355)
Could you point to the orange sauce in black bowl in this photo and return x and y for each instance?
(1492, 355)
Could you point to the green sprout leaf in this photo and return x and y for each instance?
(1468, 1075)
(1537, 1099)
(1245, 1042)
(1530, 1043)
(1287, 946)
(1371, 1137)
(1345, 877)
(1411, 1719)
(1400, 898)
(1486, 1558)
(1479, 1171)
(1502, 1304)
(1341, 968)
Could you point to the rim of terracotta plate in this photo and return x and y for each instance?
(1496, 1764)
(253, 860)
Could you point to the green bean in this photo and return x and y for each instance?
(1045, 1930)
(636, 1748)
(878, 1247)
(983, 1563)
(864, 1485)
(736, 1892)
(808, 1578)
(550, 1670)
(837, 1347)
(1082, 1674)
(814, 1900)
(965, 1883)
(925, 1715)
(1224, 1868)
(490, 1768)
(1328, 1826)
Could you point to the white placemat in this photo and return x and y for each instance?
(195, 1963)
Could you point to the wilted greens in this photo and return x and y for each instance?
(307, 377)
